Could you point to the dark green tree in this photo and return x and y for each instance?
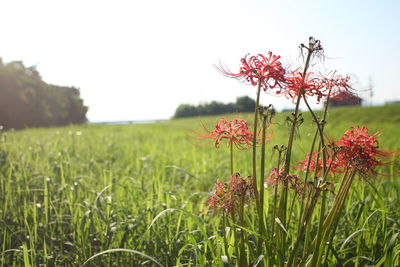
(243, 104)
(27, 101)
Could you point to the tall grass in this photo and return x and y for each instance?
(135, 194)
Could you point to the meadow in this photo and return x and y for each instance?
(135, 195)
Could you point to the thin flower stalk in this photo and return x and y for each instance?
(323, 150)
(321, 134)
(282, 246)
(243, 258)
(302, 228)
(320, 243)
(264, 115)
(275, 176)
(231, 156)
(304, 203)
(255, 147)
(226, 251)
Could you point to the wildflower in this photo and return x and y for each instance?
(336, 85)
(217, 199)
(310, 85)
(235, 131)
(279, 176)
(297, 184)
(273, 178)
(265, 69)
(316, 163)
(228, 196)
(359, 151)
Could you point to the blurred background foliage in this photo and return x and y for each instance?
(243, 104)
(27, 101)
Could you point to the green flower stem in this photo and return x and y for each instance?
(231, 154)
(306, 237)
(281, 246)
(304, 220)
(261, 186)
(334, 212)
(307, 249)
(224, 233)
(274, 211)
(309, 159)
(323, 202)
(307, 215)
(291, 208)
(296, 111)
(236, 247)
(291, 137)
(326, 108)
(303, 205)
(283, 201)
(275, 198)
(320, 226)
(243, 258)
(255, 144)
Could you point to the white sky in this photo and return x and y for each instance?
(137, 60)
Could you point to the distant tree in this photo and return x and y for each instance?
(186, 110)
(27, 101)
(243, 104)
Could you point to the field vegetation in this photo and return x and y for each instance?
(130, 195)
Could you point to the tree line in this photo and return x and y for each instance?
(242, 104)
(27, 101)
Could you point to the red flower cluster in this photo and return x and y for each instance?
(317, 165)
(236, 131)
(227, 196)
(278, 176)
(359, 151)
(310, 85)
(314, 85)
(335, 85)
(273, 178)
(269, 71)
(265, 69)
(356, 151)
(297, 184)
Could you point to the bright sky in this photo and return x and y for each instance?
(136, 60)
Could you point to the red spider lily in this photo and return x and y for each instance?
(265, 69)
(336, 84)
(315, 85)
(217, 199)
(273, 178)
(311, 85)
(297, 184)
(236, 131)
(318, 164)
(278, 176)
(359, 151)
(227, 196)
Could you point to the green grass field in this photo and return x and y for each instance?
(135, 194)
